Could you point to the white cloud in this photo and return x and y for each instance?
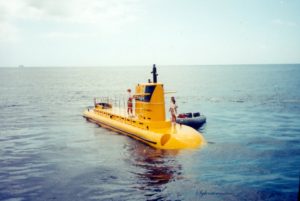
(8, 33)
(103, 14)
(74, 11)
(9, 9)
(281, 22)
(69, 35)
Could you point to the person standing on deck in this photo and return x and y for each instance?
(173, 111)
(129, 103)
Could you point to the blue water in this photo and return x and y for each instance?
(49, 152)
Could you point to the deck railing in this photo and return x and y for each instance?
(119, 104)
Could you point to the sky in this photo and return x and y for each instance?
(143, 32)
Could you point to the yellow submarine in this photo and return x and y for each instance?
(149, 124)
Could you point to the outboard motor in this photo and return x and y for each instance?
(196, 114)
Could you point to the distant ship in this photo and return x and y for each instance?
(21, 66)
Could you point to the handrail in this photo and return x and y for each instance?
(141, 94)
(110, 100)
(119, 104)
(170, 92)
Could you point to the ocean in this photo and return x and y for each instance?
(48, 151)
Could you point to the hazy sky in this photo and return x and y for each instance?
(143, 32)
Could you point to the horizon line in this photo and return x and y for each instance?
(139, 65)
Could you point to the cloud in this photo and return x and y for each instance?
(9, 9)
(69, 35)
(286, 23)
(74, 11)
(8, 33)
(103, 14)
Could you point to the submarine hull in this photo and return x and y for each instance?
(167, 137)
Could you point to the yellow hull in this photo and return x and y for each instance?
(165, 137)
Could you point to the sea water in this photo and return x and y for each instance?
(48, 151)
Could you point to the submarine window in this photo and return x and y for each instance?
(149, 90)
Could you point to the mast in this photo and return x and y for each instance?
(154, 72)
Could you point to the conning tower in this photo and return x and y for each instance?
(150, 100)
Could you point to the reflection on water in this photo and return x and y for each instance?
(154, 168)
